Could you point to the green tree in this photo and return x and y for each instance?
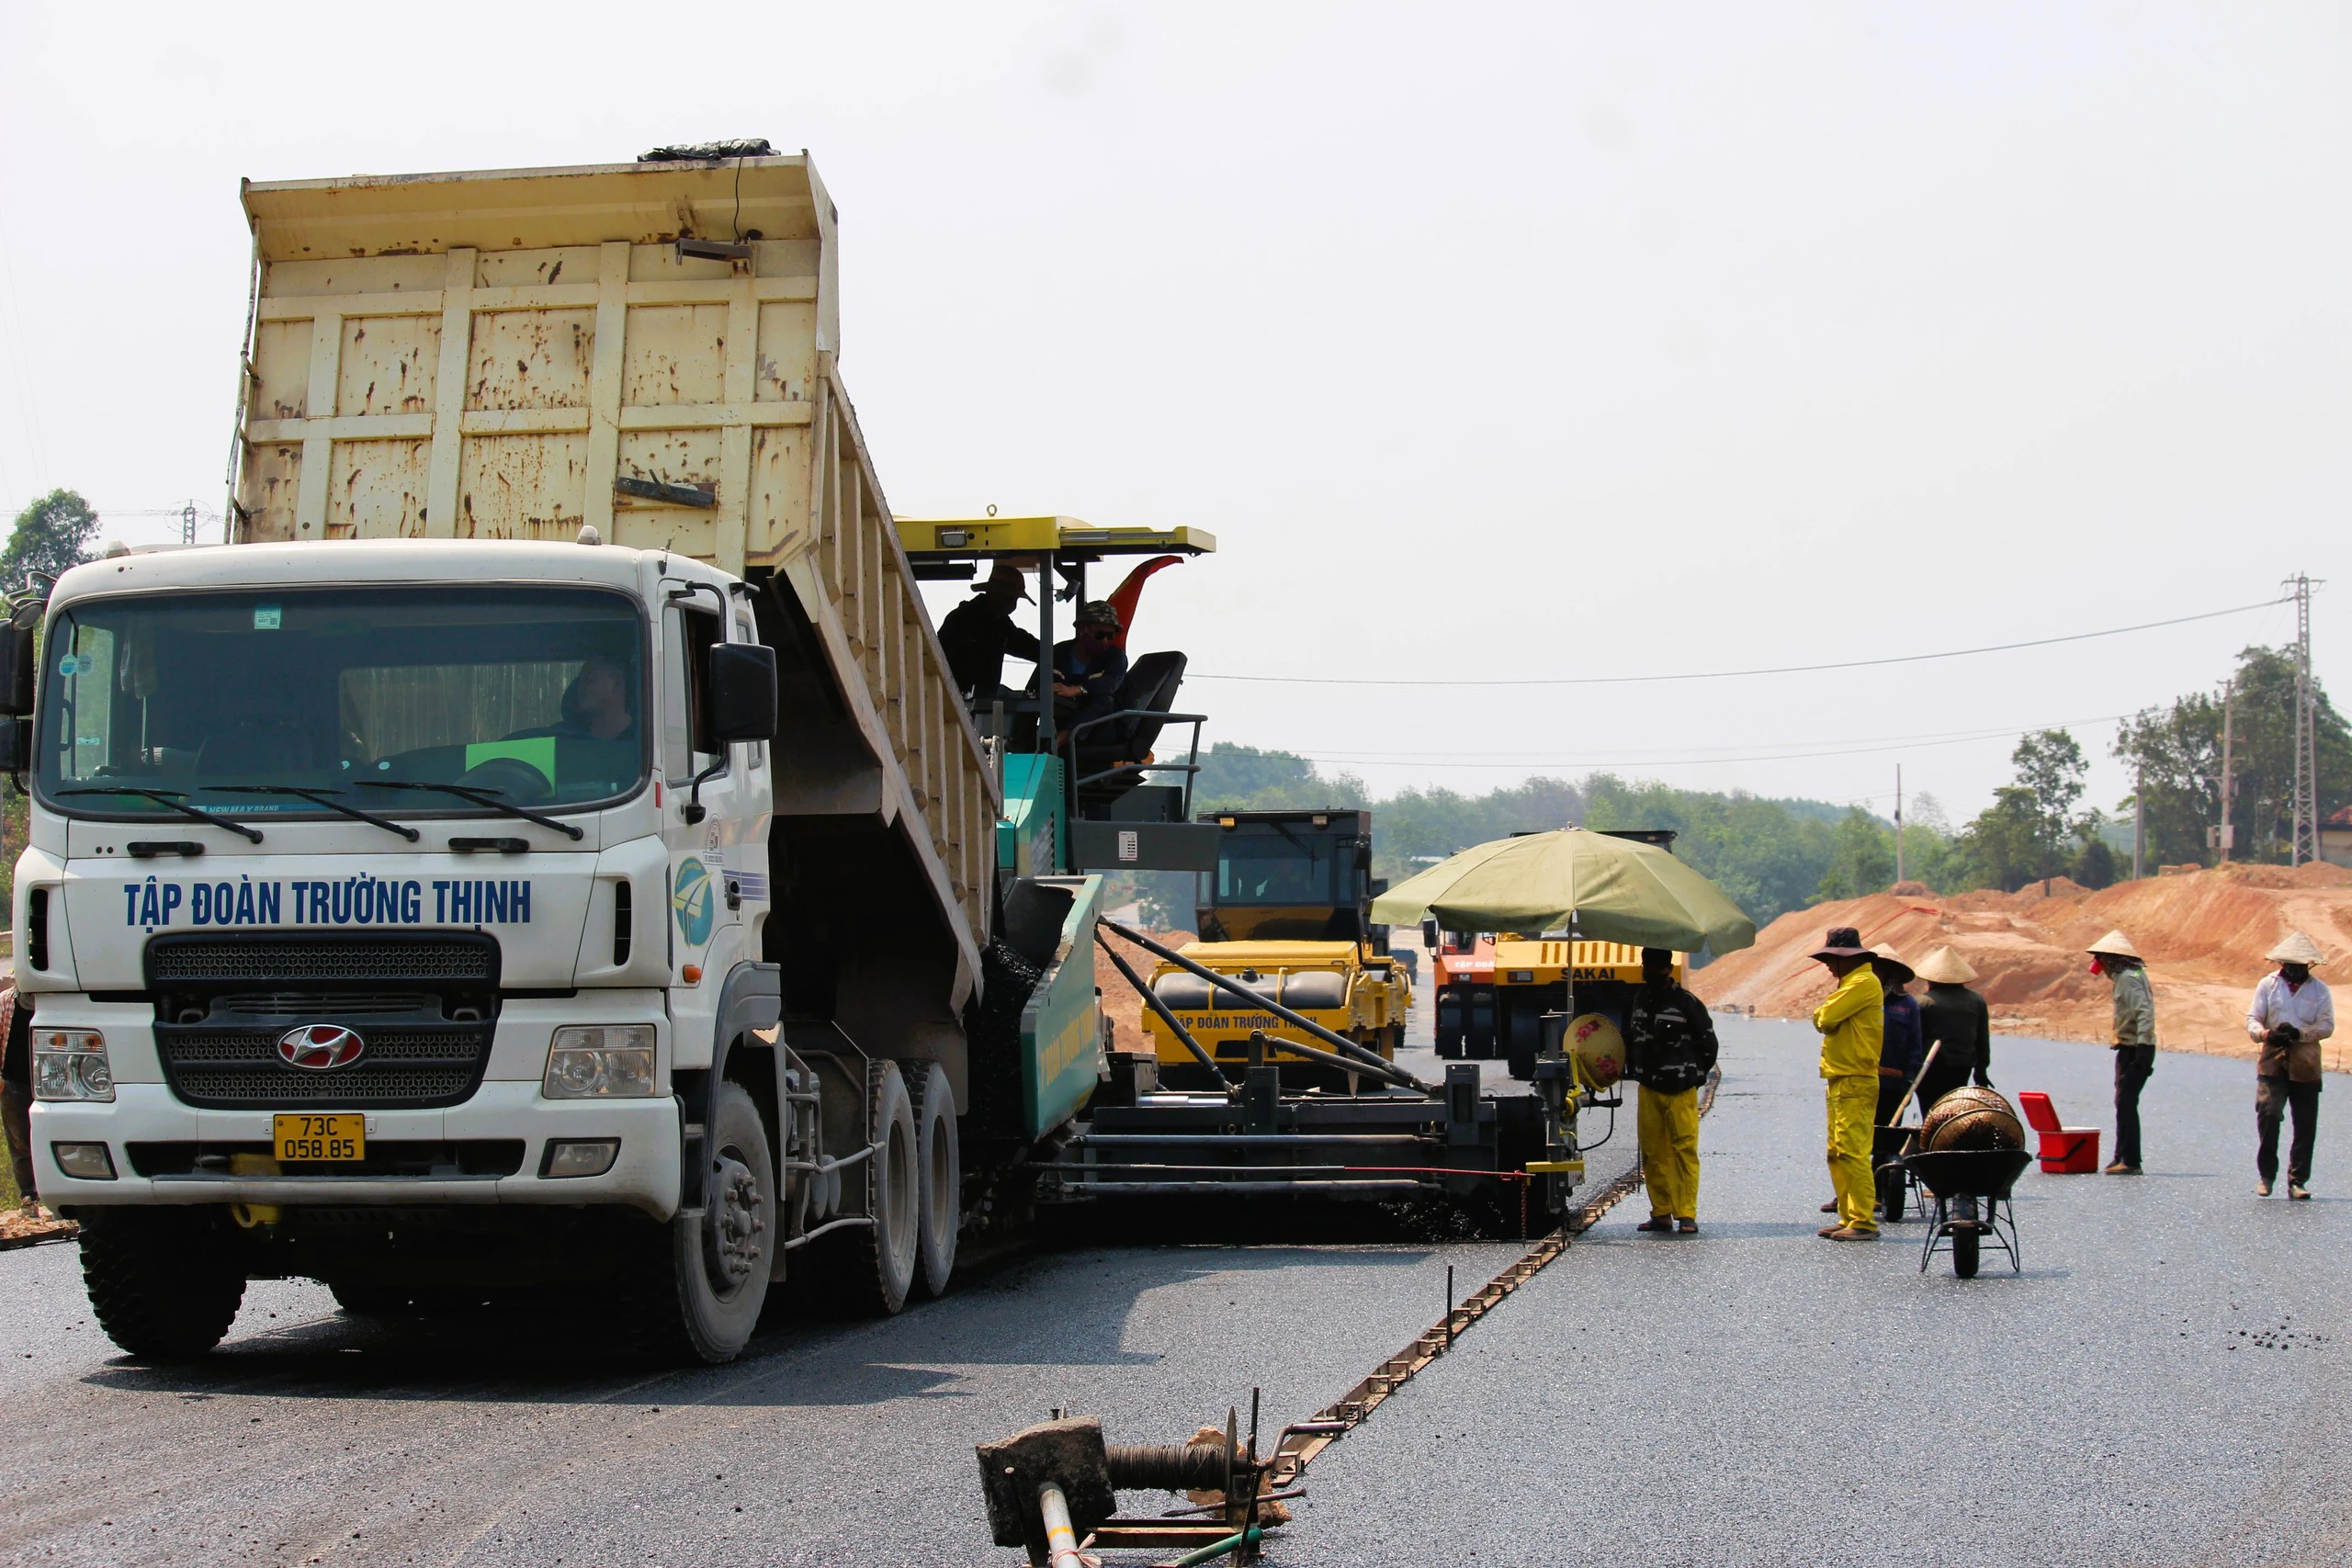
(2002, 848)
(2175, 752)
(2050, 770)
(51, 536)
(1862, 858)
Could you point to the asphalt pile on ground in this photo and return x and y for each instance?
(2203, 934)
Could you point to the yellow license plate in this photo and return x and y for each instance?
(341, 1135)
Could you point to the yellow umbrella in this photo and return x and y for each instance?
(1616, 890)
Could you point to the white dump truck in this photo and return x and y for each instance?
(544, 850)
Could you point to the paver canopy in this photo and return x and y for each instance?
(1617, 889)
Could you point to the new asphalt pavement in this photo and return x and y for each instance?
(2164, 1383)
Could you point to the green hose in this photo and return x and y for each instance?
(1217, 1549)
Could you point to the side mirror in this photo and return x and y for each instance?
(16, 669)
(742, 692)
(1430, 938)
(16, 745)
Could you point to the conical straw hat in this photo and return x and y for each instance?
(1883, 958)
(1945, 966)
(2116, 943)
(2296, 948)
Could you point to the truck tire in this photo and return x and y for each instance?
(159, 1285)
(940, 1159)
(869, 1271)
(357, 1300)
(699, 1294)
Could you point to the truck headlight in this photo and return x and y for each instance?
(71, 1063)
(600, 1061)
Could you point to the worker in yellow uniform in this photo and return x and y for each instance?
(1669, 1050)
(1854, 1026)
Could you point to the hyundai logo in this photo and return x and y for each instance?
(320, 1046)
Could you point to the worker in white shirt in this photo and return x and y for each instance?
(2291, 1014)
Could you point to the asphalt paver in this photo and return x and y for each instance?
(2164, 1383)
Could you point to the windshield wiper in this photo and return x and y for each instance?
(172, 800)
(488, 797)
(319, 798)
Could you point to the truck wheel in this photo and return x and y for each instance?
(160, 1287)
(940, 1159)
(867, 1270)
(700, 1295)
(882, 1254)
(366, 1301)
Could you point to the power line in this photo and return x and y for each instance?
(1739, 753)
(1898, 745)
(1735, 674)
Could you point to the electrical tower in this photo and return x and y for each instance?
(2303, 843)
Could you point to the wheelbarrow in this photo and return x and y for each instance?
(1970, 1188)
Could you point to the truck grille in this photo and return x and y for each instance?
(357, 957)
(404, 1068)
(223, 1002)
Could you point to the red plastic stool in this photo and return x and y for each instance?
(2065, 1151)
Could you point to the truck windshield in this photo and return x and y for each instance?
(1275, 869)
(535, 695)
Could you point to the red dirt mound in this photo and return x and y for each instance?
(2203, 935)
(1122, 1003)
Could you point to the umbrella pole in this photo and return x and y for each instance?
(1554, 1083)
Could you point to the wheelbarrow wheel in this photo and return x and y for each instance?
(1891, 1186)
(1963, 1254)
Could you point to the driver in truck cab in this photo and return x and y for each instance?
(596, 705)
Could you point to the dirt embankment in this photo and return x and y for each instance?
(2203, 935)
(1122, 1003)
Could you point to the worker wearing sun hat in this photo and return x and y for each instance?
(1956, 1024)
(2292, 1012)
(2135, 1041)
(1852, 1022)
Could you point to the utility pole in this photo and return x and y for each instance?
(2139, 820)
(1898, 822)
(2303, 843)
(2222, 839)
(187, 524)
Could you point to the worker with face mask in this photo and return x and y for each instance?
(2292, 1012)
(2135, 1041)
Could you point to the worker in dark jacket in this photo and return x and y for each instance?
(1956, 1024)
(1901, 1048)
(1669, 1051)
(980, 632)
(1089, 667)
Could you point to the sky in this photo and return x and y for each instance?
(1494, 344)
